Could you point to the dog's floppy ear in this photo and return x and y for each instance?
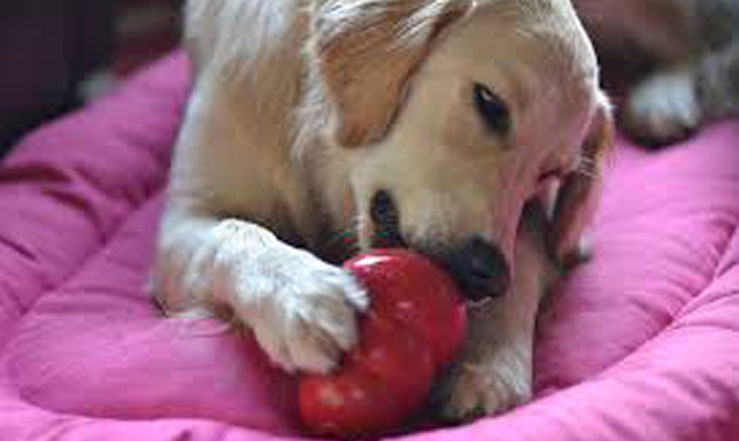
(365, 52)
(580, 191)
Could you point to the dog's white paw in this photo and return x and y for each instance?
(484, 388)
(664, 108)
(301, 309)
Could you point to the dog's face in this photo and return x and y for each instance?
(498, 101)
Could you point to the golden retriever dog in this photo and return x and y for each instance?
(317, 128)
(694, 46)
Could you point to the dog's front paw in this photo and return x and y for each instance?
(663, 109)
(483, 388)
(301, 309)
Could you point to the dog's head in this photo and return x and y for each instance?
(454, 114)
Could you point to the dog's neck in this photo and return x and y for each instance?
(325, 212)
(330, 207)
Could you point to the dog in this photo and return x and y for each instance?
(317, 128)
(693, 47)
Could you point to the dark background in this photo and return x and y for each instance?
(55, 54)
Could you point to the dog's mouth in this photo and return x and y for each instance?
(478, 266)
(386, 219)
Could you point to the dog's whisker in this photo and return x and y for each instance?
(588, 166)
(587, 172)
(587, 160)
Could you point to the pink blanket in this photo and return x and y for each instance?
(642, 344)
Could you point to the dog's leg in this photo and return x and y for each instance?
(670, 105)
(301, 309)
(695, 87)
(493, 373)
(664, 108)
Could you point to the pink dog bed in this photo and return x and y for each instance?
(643, 343)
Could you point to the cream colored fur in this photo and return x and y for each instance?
(301, 109)
(495, 369)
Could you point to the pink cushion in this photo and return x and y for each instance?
(642, 343)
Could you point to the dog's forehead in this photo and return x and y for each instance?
(525, 46)
(533, 53)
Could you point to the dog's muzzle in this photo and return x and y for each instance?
(479, 267)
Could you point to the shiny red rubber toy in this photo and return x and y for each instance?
(415, 326)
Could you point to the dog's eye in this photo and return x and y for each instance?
(492, 109)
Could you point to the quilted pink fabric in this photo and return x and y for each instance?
(641, 345)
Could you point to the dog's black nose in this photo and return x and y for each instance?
(480, 268)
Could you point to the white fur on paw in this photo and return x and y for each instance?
(301, 309)
(664, 108)
(481, 389)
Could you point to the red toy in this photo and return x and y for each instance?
(415, 326)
